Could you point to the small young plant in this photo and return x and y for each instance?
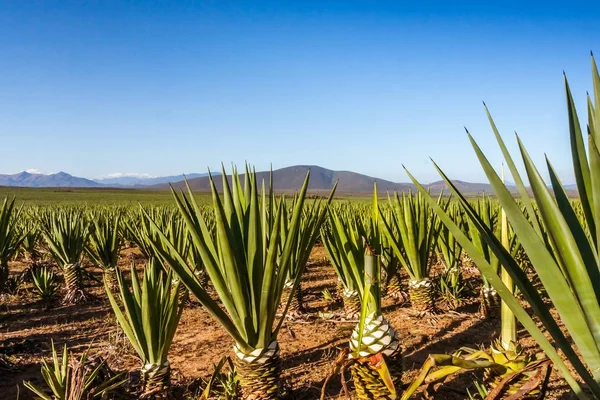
(72, 379)
(45, 283)
(223, 384)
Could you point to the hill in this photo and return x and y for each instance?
(323, 179)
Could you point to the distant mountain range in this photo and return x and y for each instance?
(323, 179)
(133, 181)
(285, 179)
(60, 179)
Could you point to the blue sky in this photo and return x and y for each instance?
(100, 87)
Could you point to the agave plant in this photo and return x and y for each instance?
(31, 239)
(374, 354)
(105, 244)
(345, 248)
(72, 379)
(562, 247)
(451, 280)
(45, 283)
(310, 223)
(11, 237)
(374, 345)
(151, 314)
(66, 233)
(390, 267)
(508, 369)
(138, 229)
(223, 383)
(412, 233)
(490, 302)
(247, 269)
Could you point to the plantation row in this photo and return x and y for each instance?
(243, 259)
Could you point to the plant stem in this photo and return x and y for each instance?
(508, 320)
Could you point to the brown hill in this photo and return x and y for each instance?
(292, 178)
(322, 180)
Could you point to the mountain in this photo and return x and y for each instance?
(134, 180)
(60, 179)
(287, 179)
(323, 179)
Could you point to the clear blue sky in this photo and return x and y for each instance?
(99, 87)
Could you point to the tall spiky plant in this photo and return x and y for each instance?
(310, 223)
(451, 279)
(345, 248)
(412, 232)
(247, 269)
(374, 343)
(11, 237)
(507, 368)
(66, 233)
(138, 229)
(490, 302)
(31, 238)
(562, 247)
(390, 265)
(105, 244)
(151, 314)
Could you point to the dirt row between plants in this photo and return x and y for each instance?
(308, 346)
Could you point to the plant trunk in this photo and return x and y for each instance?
(422, 295)
(259, 374)
(351, 304)
(74, 284)
(379, 339)
(110, 278)
(490, 302)
(384, 281)
(339, 289)
(368, 382)
(157, 381)
(394, 289)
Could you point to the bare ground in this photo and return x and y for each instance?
(308, 346)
